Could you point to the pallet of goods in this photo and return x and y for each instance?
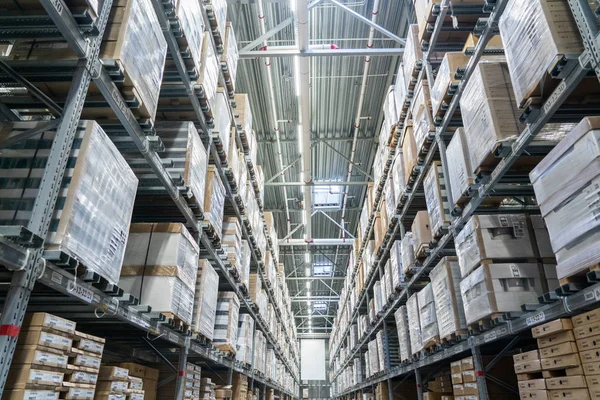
(226, 322)
(205, 301)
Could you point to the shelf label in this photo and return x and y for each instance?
(56, 278)
(536, 318)
(81, 292)
(488, 337)
(57, 5)
(555, 96)
(597, 293)
(173, 337)
(139, 320)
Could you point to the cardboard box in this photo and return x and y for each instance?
(29, 394)
(588, 343)
(458, 390)
(410, 153)
(38, 337)
(45, 356)
(497, 237)
(586, 318)
(557, 338)
(432, 396)
(457, 378)
(455, 367)
(89, 343)
(471, 388)
(532, 384)
(559, 350)
(585, 331)
(527, 356)
(112, 386)
(75, 393)
(561, 362)
(436, 198)
(445, 77)
(572, 394)
(118, 373)
(558, 325)
(469, 376)
(472, 40)
(590, 356)
(528, 367)
(459, 167)
(566, 382)
(593, 382)
(466, 364)
(533, 394)
(421, 230)
(48, 321)
(21, 376)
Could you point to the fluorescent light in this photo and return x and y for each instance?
(308, 302)
(303, 219)
(308, 284)
(297, 72)
(307, 271)
(302, 177)
(299, 134)
(306, 256)
(308, 293)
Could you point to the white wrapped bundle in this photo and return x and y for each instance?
(412, 53)
(191, 22)
(218, 9)
(214, 201)
(374, 365)
(396, 269)
(408, 252)
(226, 321)
(377, 296)
(208, 76)
(445, 282)
(436, 197)
(245, 339)
(402, 326)
(230, 54)
(414, 324)
(205, 299)
(459, 166)
(221, 117)
(427, 316)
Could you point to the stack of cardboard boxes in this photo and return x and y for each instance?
(207, 389)
(239, 386)
(586, 328)
(113, 383)
(191, 383)
(439, 388)
(149, 377)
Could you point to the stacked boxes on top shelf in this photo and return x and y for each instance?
(113, 383)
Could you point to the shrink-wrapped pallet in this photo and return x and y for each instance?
(221, 117)
(226, 321)
(489, 113)
(421, 232)
(390, 115)
(536, 34)
(230, 56)
(497, 237)
(377, 297)
(91, 220)
(374, 365)
(436, 197)
(191, 23)
(232, 241)
(400, 90)
(161, 258)
(445, 78)
(414, 324)
(460, 173)
(245, 339)
(412, 55)
(389, 287)
(445, 282)
(423, 126)
(402, 326)
(381, 346)
(390, 200)
(245, 263)
(396, 269)
(499, 288)
(570, 208)
(358, 371)
(427, 316)
(367, 364)
(408, 253)
(205, 299)
(218, 11)
(208, 76)
(398, 179)
(214, 200)
(410, 153)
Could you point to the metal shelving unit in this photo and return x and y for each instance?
(535, 119)
(21, 249)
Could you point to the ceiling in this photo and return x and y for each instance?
(335, 84)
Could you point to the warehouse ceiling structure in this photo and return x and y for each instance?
(317, 73)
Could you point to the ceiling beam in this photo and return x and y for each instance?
(317, 242)
(274, 52)
(330, 183)
(333, 299)
(282, 210)
(336, 139)
(311, 278)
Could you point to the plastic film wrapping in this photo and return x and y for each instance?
(230, 55)
(226, 321)
(423, 127)
(400, 88)
(142, 51)
(389, 289)
(390, 110)
(412, 53)
(489, 112)
(191, 22)
(445, 77)
(445, 282)
(205, 299)
(214, 201)
(245, 339)
(221, 118)
(408, 252)
(497, 237)
(427, 316)
(396, 269)
(358, 374)
(208, 75)
(436, 197)
(459, 166)
(374, 366)
(367, 363)
(381, 346)
(398, 177)
(377, 297)
(94, 221)
(402, 326)
(535, 34)
(414, 324)
(390, 199)
(219, 9)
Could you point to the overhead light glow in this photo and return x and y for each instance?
(307, 271)
(308, 293)
(297, 72)
(299, 134)
(308, 284)
(307, 257)
(308, 302)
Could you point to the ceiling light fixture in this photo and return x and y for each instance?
(299, 139)
(308, 284)
(297, 75)
(307, 257)
(293, 5)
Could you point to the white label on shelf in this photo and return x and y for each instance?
(141, 321)
(590, 295)
(173, 337)
(536, 318)
(81, 292)
(488, 337)
(562, 86)
(597, 294)
(56, 278)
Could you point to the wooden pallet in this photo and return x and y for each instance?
(485, 323)
(432, 344)
(421, 252)
(579, 280)
(203, 340)
(455, 337)
(227, 349)
(176, 323)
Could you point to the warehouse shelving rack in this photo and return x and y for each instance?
(506, 331)
(21, 249)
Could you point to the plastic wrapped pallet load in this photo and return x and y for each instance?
(232, 241)
(414, 324)
(460, 173)
(536, 35)
(499, 288)
(221, 118)
(412, 55)
(245, 339)
(421, 231)
(445, 283)
(436, 197)
(230, 56)
(226, 322)
(214, 200)
(191, 23)
(445, 78)
(381, 353)
(408, 253)
(374, 365)
(423, 126)
(91, 220)
(410, 153)
(493, 237)
(161, 258)
(218, 12)
(208, 76)
(401, 318)
(205, 299)
(427, 317)
(189, 163)
(570, 209)
(396, 269)
(377, 296)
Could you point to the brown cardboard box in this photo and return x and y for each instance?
(466, 364)
(588, 330)
(455, 367)
(22, 376)
(469, 376)
(22, 394)
(114, 373)
(37, 355)
(432, 396)
(571, 371)
(38, 337)
(590, 356)
(471, 389)
(49, 321)
(561, 362)
(527, 356)
(112, 386)
(588, 343)
(409, 150)
(528, 367)
(458, 390)
(558, 325)
(566, 382)
(556, 338)
(559, 350)
(593, 381)
(571, 394)
(421, 230)
(532, 384)
(457, 379)
(586, 318)
(495, 41)
(533, 394)
(136, 370)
